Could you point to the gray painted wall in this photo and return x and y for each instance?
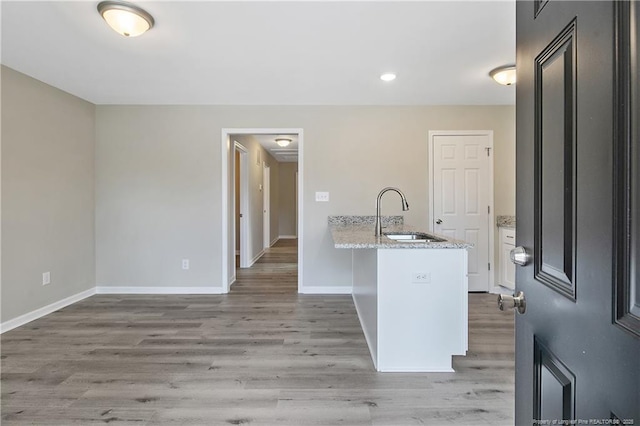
(47, 194)
(158, 180)
(287, 204)
(158, 185)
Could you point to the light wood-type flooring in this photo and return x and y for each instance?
(261, 355)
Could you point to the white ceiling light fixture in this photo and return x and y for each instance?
(125, 18)
(283, 142)
(388, 76)
(505, 75)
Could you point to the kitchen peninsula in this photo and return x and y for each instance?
(410, 294)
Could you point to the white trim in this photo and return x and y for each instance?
(275, 240)
(225, 147)
(255, 259)
(300, 210)
(266, 205)
(417, 370)
(287, 237)
(158, 290)
(45, 310)
(328, 290)
(225, 150)
(491, 217)
(245, 229)
(498, 289)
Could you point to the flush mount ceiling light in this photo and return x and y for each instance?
(388, 76)
(504, 75)
(283, 142)
(125, 18)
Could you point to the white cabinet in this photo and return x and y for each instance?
(507, 277)
(412, 325)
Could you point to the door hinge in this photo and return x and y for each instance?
(488, 151)
(489, 266)
(488, 209)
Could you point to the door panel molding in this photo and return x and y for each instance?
(555, 164)
(554, 386)
(626, 240)
(539, 5)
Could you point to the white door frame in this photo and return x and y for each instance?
(266, 205)
(245, 235)
(491, 220)
(226, 158)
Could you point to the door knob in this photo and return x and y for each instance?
(438, 221)
(517, 301)
(519, 256)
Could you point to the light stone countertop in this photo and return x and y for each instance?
(506, 222)
(361, 236)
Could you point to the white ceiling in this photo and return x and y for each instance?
(269, 52)
(283, 155)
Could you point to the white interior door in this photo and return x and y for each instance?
(461, 194)
(266, 205)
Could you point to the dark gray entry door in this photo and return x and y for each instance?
(578, 198)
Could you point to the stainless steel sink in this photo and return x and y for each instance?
(413, 237)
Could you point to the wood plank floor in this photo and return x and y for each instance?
(275, 272)
(262, 355)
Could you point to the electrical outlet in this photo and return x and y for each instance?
(421, 277)
(185, 263)
(322, 196)
(46, 278)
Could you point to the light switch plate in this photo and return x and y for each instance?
(322, 196)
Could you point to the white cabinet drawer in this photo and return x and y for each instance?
(506, 269)
(508, 236)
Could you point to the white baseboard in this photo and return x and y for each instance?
(326, 290)
(158, 290)
(287, 237)
(255, 259)
(45, 310)
(275, 240)
(498, 289)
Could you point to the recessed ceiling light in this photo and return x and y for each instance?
(125, 18)
(505, 75)
(283, 142)
(388, 76)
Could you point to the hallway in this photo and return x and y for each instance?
(276, 272)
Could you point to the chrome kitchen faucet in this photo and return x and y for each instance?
(405, 207)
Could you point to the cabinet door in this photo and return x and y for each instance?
(507, 269)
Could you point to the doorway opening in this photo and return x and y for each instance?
(250, 205)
